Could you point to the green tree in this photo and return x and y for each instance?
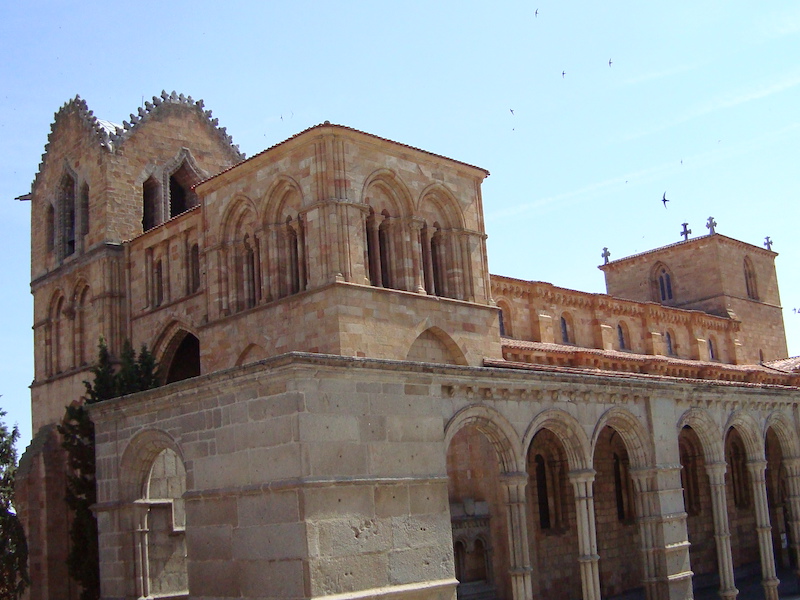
(83, 561)
(147, 369)
(13, 547)
(128, 376)
(77, 431)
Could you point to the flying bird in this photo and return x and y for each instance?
(664, 199)
(512, 110)
(536, 14)
(609, 62)
(562, 74)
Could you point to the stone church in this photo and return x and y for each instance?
(354, 407)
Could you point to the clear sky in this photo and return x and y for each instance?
(701, 100)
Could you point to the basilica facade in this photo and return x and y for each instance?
(353, 406)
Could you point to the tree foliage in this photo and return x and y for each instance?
(13, 547)
(134, 374)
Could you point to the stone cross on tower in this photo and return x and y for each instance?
(685, 233)
(767, 243)
(710, 225)
(605, 255)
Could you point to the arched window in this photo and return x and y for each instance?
(712, 354)
(67, 201)
(151, 194)
(670, 347)
(567, 335)
(662, 283)
(194, 268)
(622, 336)
(80, 336)
(750, 279)
(50, 228)
(84, 208)
(181, 195)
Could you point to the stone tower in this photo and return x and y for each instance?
(717, 275)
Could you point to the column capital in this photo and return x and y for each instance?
(792, 466)
(716, 472)
(514, 478)
(581, 475)
(757, 468)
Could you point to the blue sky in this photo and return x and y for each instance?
(700, 100)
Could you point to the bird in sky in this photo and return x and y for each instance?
(512, 110)
(562, 74)
(664, 199)
(536, 14)
(609, 62)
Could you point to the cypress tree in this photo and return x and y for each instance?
(13, 546)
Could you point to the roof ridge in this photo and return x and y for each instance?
(111, 135)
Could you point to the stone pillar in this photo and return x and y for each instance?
(769, 581)
(722, 533)
(515, 498)
(587, 532)
(644, 487)
(793, 475)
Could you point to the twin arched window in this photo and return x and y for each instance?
(175, 196)
(662, 283)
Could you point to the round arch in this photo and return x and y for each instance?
(444, 204)
(497, 430)
(632, 433)
(137, 458)
(750, 433)
(252, 353)
(707, 430)
(284, 193)
(787, 436)
(168, 343)
(569, 432)
(453, 351)
(239, 210)
(393, 187)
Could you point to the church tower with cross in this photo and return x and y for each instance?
(714, 274)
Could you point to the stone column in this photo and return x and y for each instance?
(427, 257)
(793, 475)
(138, 512)
(515, 498)
(722, 534)
(416, 259)
(769, 581)
(587, 532)
(375, 254)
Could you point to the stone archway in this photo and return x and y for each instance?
(483, 488)
(618, 536)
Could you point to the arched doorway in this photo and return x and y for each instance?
(699, 510)
(478, 516)
(184, 361)
(618, 542)
(552, 525)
